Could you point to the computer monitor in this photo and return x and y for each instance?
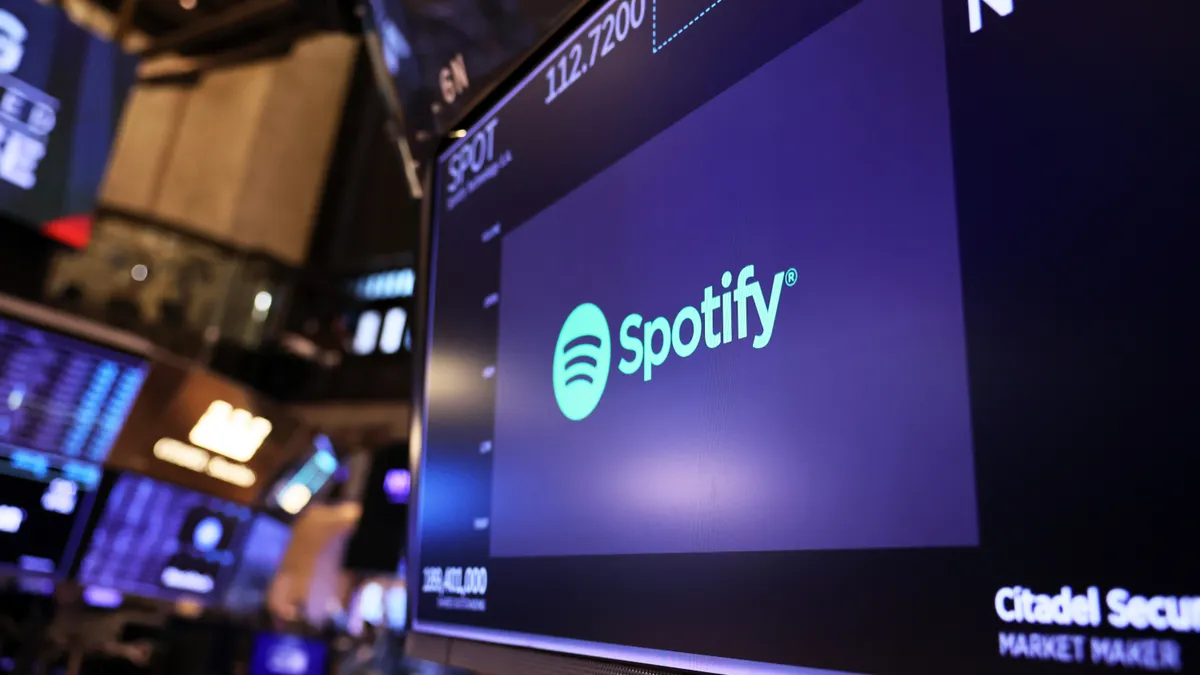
(45, 503)
(825, 336)
(63, 91)
(62, 395)
(160, 541)
(63, 401)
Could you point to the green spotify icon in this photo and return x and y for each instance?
(582, 359)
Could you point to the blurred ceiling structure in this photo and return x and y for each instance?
(180, 36)
(183, 37)
(489, 36)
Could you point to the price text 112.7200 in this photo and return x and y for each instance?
(603, 37)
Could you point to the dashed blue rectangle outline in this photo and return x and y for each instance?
(655, 47)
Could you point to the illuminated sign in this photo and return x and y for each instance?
(182, 454)
(238, 474)
(199, 460)
(229, 431)
(235, 435)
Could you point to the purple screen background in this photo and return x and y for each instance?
(851, 428)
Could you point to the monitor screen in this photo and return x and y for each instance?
(297, 488)
(44, 507)
(260, 557)
(282, 654)
(836, 334)
(61, 95)
(163, 542)
(61, 395)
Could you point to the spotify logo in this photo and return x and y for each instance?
(581, 361)
(584, 353)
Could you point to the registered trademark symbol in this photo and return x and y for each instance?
(791, 276)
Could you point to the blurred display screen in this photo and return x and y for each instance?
(281, 654)
(206, 433)
(44, 507)
(61, 395)
(297, 489)
(836, 334)
(61, 95)
(164, 542)
(260, 557)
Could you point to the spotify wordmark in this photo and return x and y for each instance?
(583, 355)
